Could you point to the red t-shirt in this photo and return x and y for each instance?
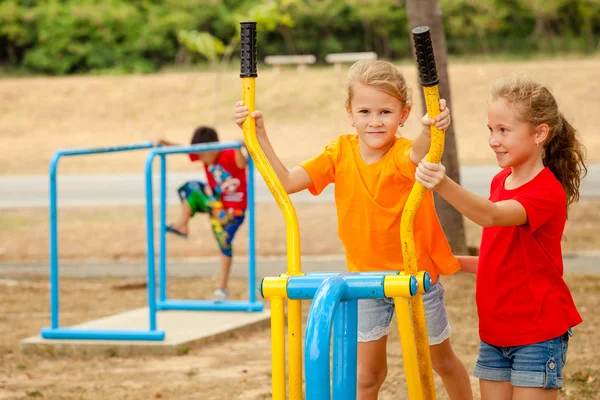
(227, 180)
(521, 295)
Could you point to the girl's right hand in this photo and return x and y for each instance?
(430, 175)
(241, 112)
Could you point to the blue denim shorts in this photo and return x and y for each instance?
(375, 316)
(536, 365)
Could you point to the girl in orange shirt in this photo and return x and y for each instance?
(374, 171)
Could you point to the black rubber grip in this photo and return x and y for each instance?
(425, 58)
(248, 53)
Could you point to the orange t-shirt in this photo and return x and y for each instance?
(369, 200)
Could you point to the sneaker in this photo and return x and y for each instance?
(219, 295)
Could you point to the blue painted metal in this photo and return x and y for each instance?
(426, 281)
(99, 334)
(66, 333)
(345, 350)
(363, 286)
(318, 332)
(172, 304)
(162, 280)
(207, 305)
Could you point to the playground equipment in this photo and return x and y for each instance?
(152, 333)
(163, 303)
(335, 295)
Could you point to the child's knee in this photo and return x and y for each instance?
(371, 378)
(444, 363)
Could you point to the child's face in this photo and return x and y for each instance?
(376, 116)
(208, 157)
(512, 140)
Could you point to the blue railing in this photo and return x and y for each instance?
(163, 302)
(55, 331)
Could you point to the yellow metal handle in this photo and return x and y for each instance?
(293, 241)
(409, 251)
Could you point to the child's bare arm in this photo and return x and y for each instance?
(293, 180)
(240, 158)
(163, 142)
(478, 209)
(468, 263)
(422, 142)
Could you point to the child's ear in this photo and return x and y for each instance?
(405, 112)
(350, 116)
(542, 132)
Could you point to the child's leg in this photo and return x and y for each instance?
(492, 390)
(224, 275)
(374, 318)
(372, 368)
(193, 199)
(445, 363)
(452, 371)
(225, 225)
(181, 223)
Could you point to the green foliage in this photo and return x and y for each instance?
(127, 36)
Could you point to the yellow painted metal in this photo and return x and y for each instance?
(278, 348)
(270, 178)
(421, 281)
(295, 348)
(397, 285)
(292, 233)
(275, 287)
(409, 353)
(409, 250)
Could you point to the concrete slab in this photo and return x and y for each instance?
(183, 330)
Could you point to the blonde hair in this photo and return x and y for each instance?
(564, 153)
(382, 75)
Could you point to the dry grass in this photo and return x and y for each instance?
(234, 369)
(120, 233)
(304, 111)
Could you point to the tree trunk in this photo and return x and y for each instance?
(428, 12)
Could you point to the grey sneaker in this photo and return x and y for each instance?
(219, 295)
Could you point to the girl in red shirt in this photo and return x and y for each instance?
(525, 308)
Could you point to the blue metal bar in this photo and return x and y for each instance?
(359, 286)
(197, 148)
(318, 334)
(207, 305)
(54, 272)
(345, 350)
(251, 234)
(150, 241)
(162, 280)
(99, 334)
(54, 292)
(100, 150)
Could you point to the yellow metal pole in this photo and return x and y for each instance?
(429, 81)
(248, 75)
(401, 287)
(409, 354)
(278, 348)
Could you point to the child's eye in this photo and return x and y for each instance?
(363, 111)
(503, 130)
(386, 112)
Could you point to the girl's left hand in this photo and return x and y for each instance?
(430, 175)
(442, 121)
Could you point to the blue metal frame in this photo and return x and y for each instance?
(55, 331)
(163, 303)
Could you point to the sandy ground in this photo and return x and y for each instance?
(238, 368)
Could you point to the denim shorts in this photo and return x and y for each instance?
(375, 316)
(536, 365)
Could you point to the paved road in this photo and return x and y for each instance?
(128, 189)
(268, 266)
